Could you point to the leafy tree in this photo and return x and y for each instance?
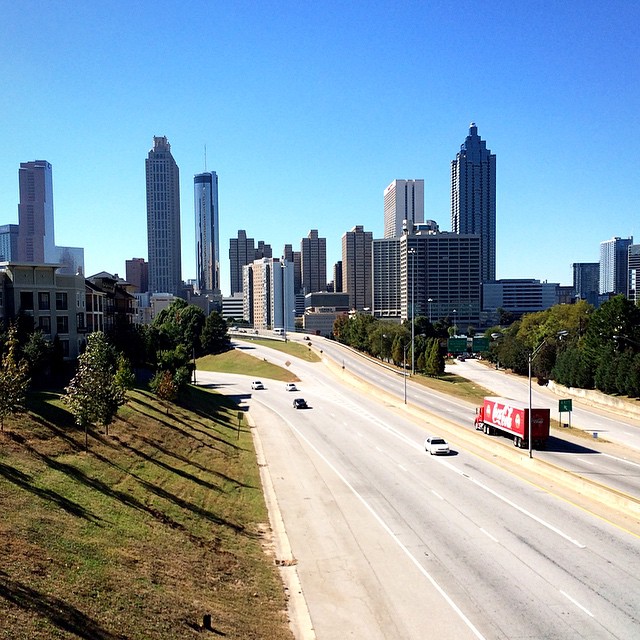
(397, 351)
(420, 363)
(214, 337)
(14, 378)
(165, 387)
(125, 377)
(434, 359)
(180, 323)
(93, 395)
(37, 352)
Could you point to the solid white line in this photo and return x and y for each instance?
(586, 461)
(486, 533)
(631, 462)
(568, 597)
(403, 468)
(393, 536)
(437, 495)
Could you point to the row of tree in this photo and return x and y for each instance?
(391, 342)
(165, 351)
(578, 346)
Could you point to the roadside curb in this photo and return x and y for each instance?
(297, 609)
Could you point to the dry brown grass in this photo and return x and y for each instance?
(158, 524)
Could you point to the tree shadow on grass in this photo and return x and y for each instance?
(167, 467)
(24, 481)
(177, 456)
(57, 611)
(130, 501)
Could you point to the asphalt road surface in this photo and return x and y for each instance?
(393, 543)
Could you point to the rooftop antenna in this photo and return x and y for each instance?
(205, 158)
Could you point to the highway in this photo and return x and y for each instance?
(618, 467)
(393, 543)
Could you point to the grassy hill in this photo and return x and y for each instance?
(160, 523)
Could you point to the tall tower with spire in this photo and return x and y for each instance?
(473, 197)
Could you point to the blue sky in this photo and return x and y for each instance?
(308, 110)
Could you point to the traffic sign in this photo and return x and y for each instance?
(564, 405)
(480, 344)
(457, 345)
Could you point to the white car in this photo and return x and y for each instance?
(256, 384)
(291, 386)
(437, 446)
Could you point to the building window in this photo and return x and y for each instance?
(61, 301)
(26, 300)
(44, 302)
(62, 324)
(44, 324)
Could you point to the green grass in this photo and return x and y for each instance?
(157, 524)
(236, 361)
(302, 351)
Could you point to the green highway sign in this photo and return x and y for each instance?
(480, 344)
(564, 405)
(457, 345)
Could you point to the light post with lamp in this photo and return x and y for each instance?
(412, 253)
(430, 300)
(455, 323)
(532, 355)
(404, 369)
(284, 298)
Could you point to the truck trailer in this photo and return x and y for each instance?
(511, 418)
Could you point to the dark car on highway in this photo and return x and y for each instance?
(300, 403)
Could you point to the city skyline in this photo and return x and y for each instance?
(301, 130)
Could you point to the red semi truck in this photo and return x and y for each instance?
(511, 418)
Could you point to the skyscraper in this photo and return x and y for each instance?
(242, 251)
(36, 241)
(357, 279)
(473, 198)
(586, 279)
(403, 200)
(313, 263)
(614, 266)
(205, 186)
(163, 219)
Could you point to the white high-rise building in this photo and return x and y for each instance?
(614, 266)
(403, 200)
(163, 219)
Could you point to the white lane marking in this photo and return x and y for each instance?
(617, 459)
(393, 536)
(486, 533)
(586, 461)
(437, 495)
(517, 507)
(568, 597)
(403, 468)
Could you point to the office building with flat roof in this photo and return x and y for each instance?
(357, 268)
(163, 219)
(313, 262)
(403, 200)
(614, 266)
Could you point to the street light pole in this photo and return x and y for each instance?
(284, 298)
(404, 371)
(429, 301)
(412, 252)
(531, 357)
